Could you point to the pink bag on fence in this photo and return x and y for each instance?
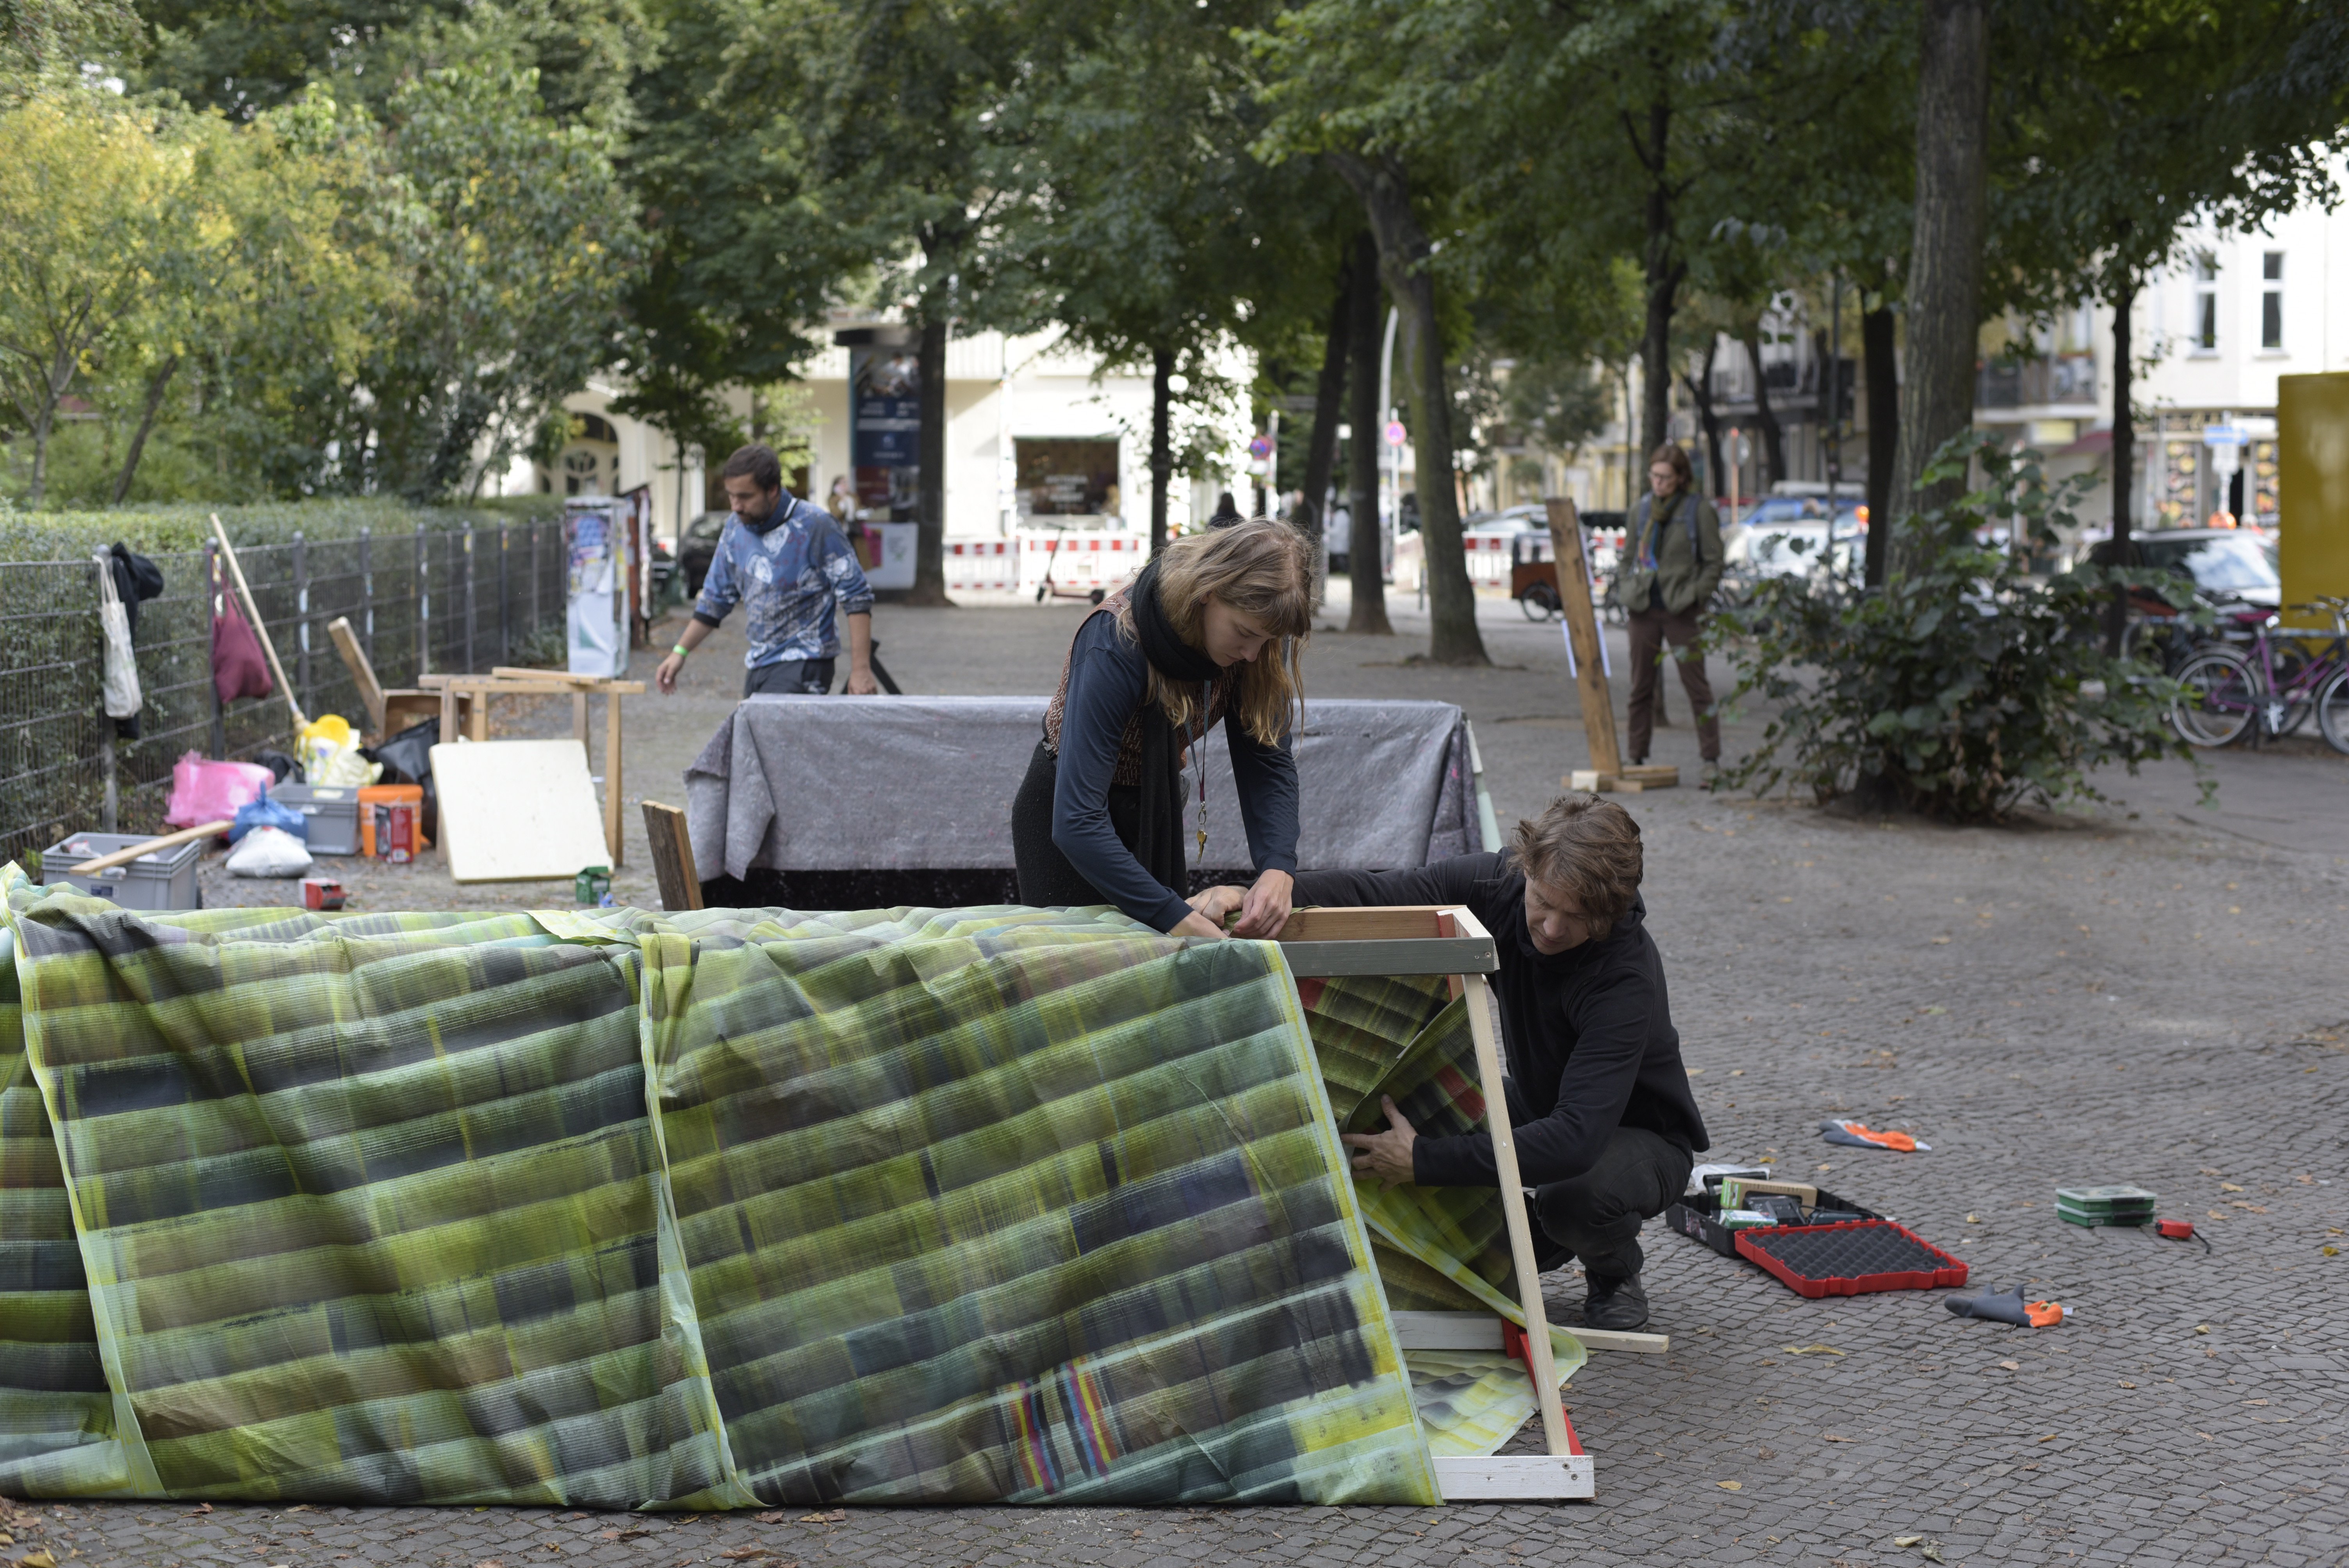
(207, 791)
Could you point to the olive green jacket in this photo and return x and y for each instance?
(1660, 549)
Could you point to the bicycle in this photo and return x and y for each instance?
(2267, 691)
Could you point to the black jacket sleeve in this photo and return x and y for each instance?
(1453, 880)
(1610, 1042)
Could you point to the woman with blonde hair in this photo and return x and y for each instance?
(1210, 632)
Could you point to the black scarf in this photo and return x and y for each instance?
(1158, 837)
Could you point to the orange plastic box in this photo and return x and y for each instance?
(376, 795)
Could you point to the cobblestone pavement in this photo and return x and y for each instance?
(2086, 999)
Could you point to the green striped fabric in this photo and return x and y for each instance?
(736, 1207)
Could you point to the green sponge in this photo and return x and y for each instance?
(2105, 1205)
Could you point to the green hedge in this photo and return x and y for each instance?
(73, 535)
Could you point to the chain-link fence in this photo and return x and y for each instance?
(448, 600)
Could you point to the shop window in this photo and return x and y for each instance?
(1067, 477)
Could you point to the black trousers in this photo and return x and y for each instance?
(792, 677)
(1596, 1216)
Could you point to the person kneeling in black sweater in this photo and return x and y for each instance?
(1607, 1125)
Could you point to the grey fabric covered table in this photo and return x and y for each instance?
(903, 783)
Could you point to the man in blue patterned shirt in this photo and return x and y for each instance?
(789, 564)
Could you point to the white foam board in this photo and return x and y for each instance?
(1504, 1477)
(517, 810)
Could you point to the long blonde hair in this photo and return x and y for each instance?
(1263, 569)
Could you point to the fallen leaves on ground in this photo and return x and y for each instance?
(623, 1534)
(200, 1508)
(1730, 1485)
(1810, 1350)
(831, 1516)
(36, 1559)
(1832, 1438)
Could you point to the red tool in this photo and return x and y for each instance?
(321, 893)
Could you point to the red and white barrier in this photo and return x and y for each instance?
(1085, 561)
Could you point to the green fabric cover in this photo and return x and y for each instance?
(710, 1210)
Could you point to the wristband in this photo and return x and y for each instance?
(682, 652)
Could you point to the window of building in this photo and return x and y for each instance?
(2272, 301)
(1067, 477)
(2205, 304)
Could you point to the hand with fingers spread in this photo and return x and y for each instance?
(1385, 1156)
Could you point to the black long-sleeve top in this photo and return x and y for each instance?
(1589, 1032)
(1109, 679)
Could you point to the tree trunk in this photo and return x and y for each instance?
(930, 544)
(1664, 272)
(1404, 255)
(1883, 375)
(1329, 399)
(1365, 569)
(156, 385)
(1945, 259)
(2123, 551)
(1774, 439)
(1700, 388)
(1162, 447)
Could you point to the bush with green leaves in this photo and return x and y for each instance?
(159, 529)
(1965, 687)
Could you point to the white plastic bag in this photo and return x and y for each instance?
(269, 853)
(122, 695)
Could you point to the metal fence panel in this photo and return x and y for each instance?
(61, 762)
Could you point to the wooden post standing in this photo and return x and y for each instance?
(672, 851)
(1608, 771)
(1582, 630)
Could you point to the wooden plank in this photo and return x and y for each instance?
(612, 773)
(1513, 1209)
(1582, 630)
(1654, 775)
(517, 810)
(123, 856)
(354, 659)
(1373, 923)
(1529, 1477)
(1482, 1331)
(1427, 955)
(672, 849)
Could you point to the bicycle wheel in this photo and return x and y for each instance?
(2332, 712)
(2221, 699)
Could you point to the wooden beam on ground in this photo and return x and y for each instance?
(672, 849)
(1582, 635)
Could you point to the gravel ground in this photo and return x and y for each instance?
(2131, 994)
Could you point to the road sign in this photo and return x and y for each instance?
(1396, 434)
(1261, 447)
(2225, 436)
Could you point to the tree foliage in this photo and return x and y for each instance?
(1963, 688)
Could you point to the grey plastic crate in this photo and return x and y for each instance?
(332, 812)
(160, 879)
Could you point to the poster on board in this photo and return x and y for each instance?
(884, 383)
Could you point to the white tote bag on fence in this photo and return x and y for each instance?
(122, 698)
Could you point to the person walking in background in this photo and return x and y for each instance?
(1672, 561)
(788, 561)
(842, 502)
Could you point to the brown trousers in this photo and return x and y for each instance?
(1651, 630)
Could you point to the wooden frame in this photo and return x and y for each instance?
(1447, 940)
(471, 695)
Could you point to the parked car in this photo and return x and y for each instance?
(2224, 562)
(697, 547)
(1788, 550)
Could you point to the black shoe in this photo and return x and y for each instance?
(1615, 1304)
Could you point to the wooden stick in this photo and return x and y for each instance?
(1513, 1208)
(123, 856)
(612, 833)
(253, 613)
